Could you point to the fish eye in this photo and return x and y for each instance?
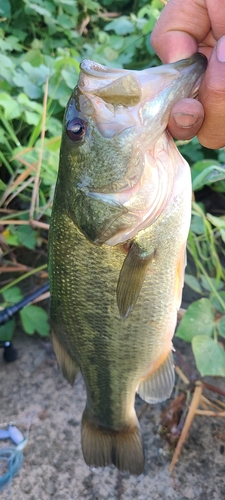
(76, 129)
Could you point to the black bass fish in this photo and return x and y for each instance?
(119, 226)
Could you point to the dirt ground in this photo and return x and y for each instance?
(33, 389)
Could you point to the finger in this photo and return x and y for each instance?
(186, 118)
(216, 14)
(212, 97)
(180, 28)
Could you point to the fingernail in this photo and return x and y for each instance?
(220, 49)
(184, 120)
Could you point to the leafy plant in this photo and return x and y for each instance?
(203, 325)
(33, 318)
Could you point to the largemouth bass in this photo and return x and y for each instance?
(119, 226)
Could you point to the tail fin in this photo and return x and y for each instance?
(103, 446)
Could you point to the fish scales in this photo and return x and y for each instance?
(116, 286)
(92, 305)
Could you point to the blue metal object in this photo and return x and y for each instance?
(9, 312)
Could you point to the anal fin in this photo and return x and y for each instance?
(68, 366)
(159, 384)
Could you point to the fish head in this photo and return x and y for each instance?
(113, 183)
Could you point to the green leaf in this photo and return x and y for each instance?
(198, 320)
(5, 61)
(35, 319)
(209, 356)
(110, 53)
(5, 8)
(192, 151)
(27, 236)
(205, 173)
(40, 10)
(2, 184)
(11, 42)
(65, 2)
(222, 234)
(23, 80)
(219, 186)
(29, 104)
(12, 295)
(70, 77)
(206, 283)
(10, 237)
(31, 78)
(121, 26)
(197, 224)
(11, 108)
(193, 283)
(218, 222)
(157, 4)
(221, 326)
(7, 330)
(59, 90)
(216, 303)
(38, 75)
(148, 27)
(65, 21)
(31, 118)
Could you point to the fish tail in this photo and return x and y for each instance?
(104, 446)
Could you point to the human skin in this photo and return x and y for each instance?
(185, 27)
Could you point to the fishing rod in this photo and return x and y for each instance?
(10, 353)
(9, 312)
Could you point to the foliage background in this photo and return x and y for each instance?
(41, 46)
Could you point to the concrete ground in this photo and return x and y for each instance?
(33, 389)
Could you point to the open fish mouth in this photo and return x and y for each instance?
(99, 79)
(138, 103)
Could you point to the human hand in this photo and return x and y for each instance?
(186, 27)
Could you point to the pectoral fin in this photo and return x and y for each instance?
(180, 276)
(131, 278)
(68, 366)
(159, 384)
